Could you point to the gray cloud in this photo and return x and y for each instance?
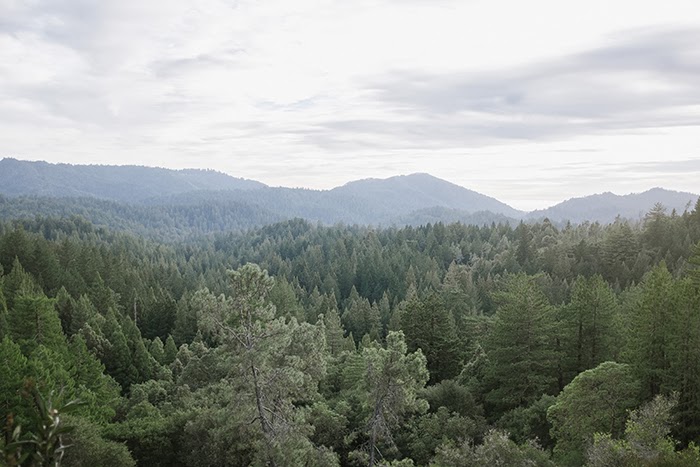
(669, 167)
(641, 80)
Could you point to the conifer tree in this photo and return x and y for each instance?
(650, 326)
(13, 371)
(520, 346)
(429, 326)
(392, 380)
(98, 391)
(117, 357)
(589, 324)
(33, 321)
(142, 360)
(278, 362)
(169, 350)
(4, 326)
(157, 350)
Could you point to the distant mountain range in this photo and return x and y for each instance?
(605, 207)
(176, 203)
(117, 183)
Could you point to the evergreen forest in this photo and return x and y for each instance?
(301, 344)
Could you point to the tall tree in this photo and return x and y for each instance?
(588, 324)
(33, 321)
(520, 346)
(650, 325)
(12, 372)
(684, 358)
(392, 380)
(429, 326)
(279, 362)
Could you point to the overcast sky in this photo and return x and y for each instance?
(531, 102)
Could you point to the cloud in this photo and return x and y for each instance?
(641, 80)
(669, 167)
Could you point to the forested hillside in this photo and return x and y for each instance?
(116, 183)
(302, 344)
(176, 205)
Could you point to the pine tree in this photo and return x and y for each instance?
(588, 324)
(83, 312)
(169, 350)
(17, 283)
(429, 326)
(458, 291)
(157, 350)
(142, 360)
(98, 391)
(13, 370)
(335, 341)
(650, 332)
(185, 321)
(33, 321)
(683, 351)
(117, 358)
(4, 326)
(391, 383)
(278, 362)
(520, 346)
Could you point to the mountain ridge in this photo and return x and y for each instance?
(113, 182)
(607, 206)
(195, 197)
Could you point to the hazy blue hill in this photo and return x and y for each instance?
(118, 183)
(314, 205)
(605, 207)
(407, 193)
(447, 215)
(163, 222)
(172, 204)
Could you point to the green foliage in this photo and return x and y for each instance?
(459, 292)
(530, 423)
(169, 351)
(4, 326)
(453, 396)
(89, 449)
(589, 324)
(43, 444)
(12, 373)
(277, 362)
(190, 345)
(433, 429)
(520, 346)
(150, 436)
(597, 400)
(650, 326)
(98, 391)
(497, 449)
(429, 326)
(33, 321)
(646, 440)
(391, 384)
(157, 350)
(117, 357)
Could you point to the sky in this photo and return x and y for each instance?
(532, 102)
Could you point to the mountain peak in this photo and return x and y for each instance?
(418, 191)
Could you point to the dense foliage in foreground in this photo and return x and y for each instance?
(443, 345)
